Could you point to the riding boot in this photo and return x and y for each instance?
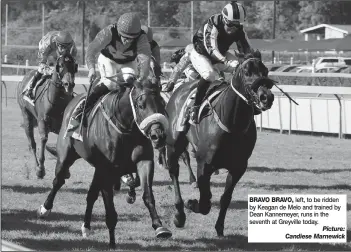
(98, 91)
(202, 87)
(37, 76)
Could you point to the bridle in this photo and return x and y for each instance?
(250, 97)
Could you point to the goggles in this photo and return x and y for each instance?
(231, 23)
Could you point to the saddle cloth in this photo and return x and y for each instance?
(73, 127)
(39, 83)
(214, 91)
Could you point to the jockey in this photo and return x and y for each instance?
(155, 64)
(211, 45)
(59, 42)
(120, 46)
(182, 59)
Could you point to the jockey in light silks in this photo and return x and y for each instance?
(183, 64)
(211, 45)
(121, 47)
(155, 62)
(54, 42)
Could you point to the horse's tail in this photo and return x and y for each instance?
(52, 150)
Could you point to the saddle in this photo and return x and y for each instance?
(205, 110)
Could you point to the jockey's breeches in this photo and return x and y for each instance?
(109, 68)
(205, 68)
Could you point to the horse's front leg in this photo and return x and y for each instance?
(202, 206)
(232, 179)
(92, 196)
(43, 132)
(146, 173)
(106, 183)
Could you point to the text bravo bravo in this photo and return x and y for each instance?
(297, 218)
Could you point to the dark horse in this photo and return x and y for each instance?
(225, 138)
(50, 101)
(119, 137)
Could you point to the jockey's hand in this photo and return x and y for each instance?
(169, 87)
(92, 75)
(231, 63)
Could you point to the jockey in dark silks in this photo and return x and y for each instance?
(155, 64)
(122, 47)
(54, 42)
(211, 44)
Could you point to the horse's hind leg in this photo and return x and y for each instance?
(146, 173)
(66, 156)
(107, 195)
(43, 132)
(202, 206)
(226, 198)
(92, 196)
(28, 125)
(173, 154)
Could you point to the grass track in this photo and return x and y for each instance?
(280, 164)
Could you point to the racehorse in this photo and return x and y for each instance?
(51, 99)
(119, 136)
(225, 136)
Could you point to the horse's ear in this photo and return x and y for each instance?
(257, 54)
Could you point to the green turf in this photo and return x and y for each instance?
(280, 164)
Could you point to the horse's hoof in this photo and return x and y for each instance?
(194, 185)
(67, 174)
(40, 173)
(220, 233)
(42, 212)
(112, 245)
(130, 199)
(163, 232)
(192, 205)
(179, 220)
(85, 231)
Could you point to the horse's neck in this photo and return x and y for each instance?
(53, 89)
(123, 110)
(235, 112)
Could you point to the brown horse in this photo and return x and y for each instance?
(225, 136)
(119, 137)
(51, 99)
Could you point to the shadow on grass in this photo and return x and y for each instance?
(279, 187)
(36, 189)
(240, 242)
(231, 242)
(277, 169)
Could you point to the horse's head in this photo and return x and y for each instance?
(251, 78)
(149, 112)
(66, 68)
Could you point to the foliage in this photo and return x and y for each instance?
(166, 16)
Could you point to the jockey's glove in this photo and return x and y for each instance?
(92, 75)
(231, 63)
